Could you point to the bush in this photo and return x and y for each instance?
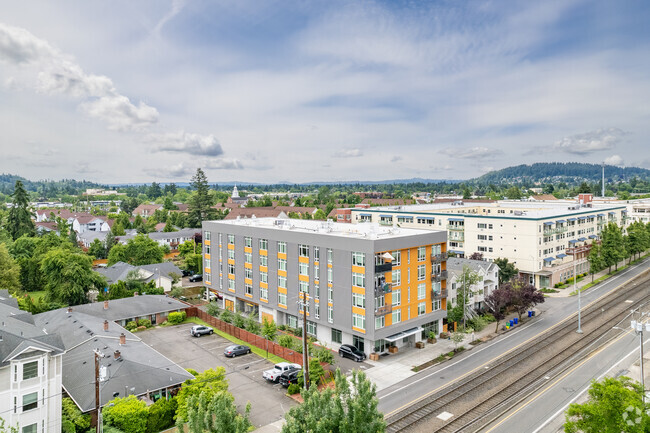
(489, 317)
(177, 292)
(253, 326)
(323, 354)
(444, 335)
(478, 323)
(226, 316)
(144, 322)
(316, 373)
(238, 321)
(294, 388)
(127, 414)
(130, 326)
(161, 415)
(176, 317)
(282, 327)
(297, 332)
(192, 372)
(285, 341)
(213, 309)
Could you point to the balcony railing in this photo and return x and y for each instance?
(455, 227)
(383, 288)
(386, 267)
(555, 231)
(439, 294)
(382, 311)
(437, 258)
(437, 277)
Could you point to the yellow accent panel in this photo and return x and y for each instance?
(329, 265)
(316, 300)
(266, 301)
(231, 261)
(282, 273)
(282, 306)
(231, 276)
(248, 265)
(303, 259)
(206, 242)
(329, 285)
(359, 269)
(231, 247)
(207, 270)
(247, 295)
(208, 283)
(329, 304)
(248, 280)
(354, 328)
(303, 278)
(316, 262)
(264, 253)
(264, 285)
(268, 317)
(207, 256)
(282, 290)
(359, 290)
(359, 310)
(264, 268)
(231, 290)
(282, 256)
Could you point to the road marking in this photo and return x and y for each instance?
(422, 397)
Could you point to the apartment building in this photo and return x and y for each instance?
(541, 238)
(365, 285)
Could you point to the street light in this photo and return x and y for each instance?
(573, 252)
(637, 327)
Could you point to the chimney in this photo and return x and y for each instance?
(122, 339)
(106, 305)
(117, 354)
(105, 325)
(69, 310)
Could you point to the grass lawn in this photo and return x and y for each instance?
(256, 350)
(37, 295)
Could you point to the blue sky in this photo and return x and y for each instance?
(301, 91)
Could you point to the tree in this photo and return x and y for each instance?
(216, 413)
(496, 303)
(584, 188)
(210, 382)
(320, 215)
(7, 428)
(170, 188)
(169, 227)
(513, 193)
(72, 418)
(523, 295)
(97, 249)
(457, 338)
(161, 415)
(69, 275)
(350, 407)
(154, 191)
(615, 405)
(507, 270)
(200, 205)
(636, 240)
(141, 250)
(109, 242)
(612, 245)
(19, 218)
(476, 256)
(596, 262)
(269, 329)
(128, 414)
(9, 271)
(117, 229)
(129, 204)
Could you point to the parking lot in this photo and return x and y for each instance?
(244, 373)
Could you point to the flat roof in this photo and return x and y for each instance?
(328, 228)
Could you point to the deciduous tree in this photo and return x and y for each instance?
(128, 414)
(216, 413)
(613, 245)
(69, 275)
(523, 295)
(507, 270)
(140, 250)
(9, 271)
(496, 303)
(210, 382)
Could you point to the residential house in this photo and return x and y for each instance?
(146, 210)
(161, 273)
(488, 274)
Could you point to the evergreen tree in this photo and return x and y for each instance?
(19, 219)
(200, 205)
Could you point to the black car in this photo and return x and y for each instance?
(349, 351)
(199, 330)
(186, 272)
(235, 349)
(289, 377)
(196, 277)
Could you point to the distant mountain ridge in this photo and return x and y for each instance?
(561, 171)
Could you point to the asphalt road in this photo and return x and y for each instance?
(244, 373)
(553, 311)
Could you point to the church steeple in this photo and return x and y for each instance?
(235, 193)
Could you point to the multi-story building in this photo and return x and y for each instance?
(541, 238)
(369, 286)
(488, 280)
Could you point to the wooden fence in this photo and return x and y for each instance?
(257, 341)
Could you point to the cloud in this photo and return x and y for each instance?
(396, 158)
(120, 114)
(185, 142)
(349, 153)
(178, 171)
(224, 164)
(177, 7)
(614, 160)
(589, 142)
(477, 152)
(20, 47)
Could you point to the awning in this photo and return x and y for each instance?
(601, 215)
(593, 237)
(549, 259)
(424, 218)
(582, 239)
(561, 256)
(403, 334)
(548, 223)
(386, 216)
(582, 218)
(560, 222)
(572, 241)
(456, 219)
(571, 219)
(366, 214)
(612, 213)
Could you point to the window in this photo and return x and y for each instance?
(231, 254)
(264, 293)
(30, 401)
(397, 277)
(264, 277)
(207, 249)
(220, 239)
(282, 247)
(316, 272)
(436, 305)
(329, 275)
(292, 321)
(422, 308)
(30, 369)
(303, 250)
(316, 291)
(207, 236)
(303, 268)
(317, 311)
(358, 321)
(422, 253)
(422, 272)
(32, 428)
(248, 288)
(316, 254)
(397, 297)
(422, 288)
(330, 294)
(303, 286)
(207, 263)
(311, 328)
(380, 322)
(398, 258)
(330, 314)
(264, 261)
(358, 279)
(397, 316)
(231, 269)
(231, 285)
(359, 300)
(264, 244)
(248, 242)
(337, 336)
(231, 239)
(282, 264)
(248, 257)
(282, 281)
(282, 299)
(248, 273)
(358, 259)
(329, 256)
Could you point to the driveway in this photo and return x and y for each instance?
(244, 373)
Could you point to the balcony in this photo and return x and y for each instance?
(438, 294)
(437, 277)
(555, 231)
(385, 267)
(457, 236)
(382, 311)
(438, 258)
(383, 288)
(455, 227)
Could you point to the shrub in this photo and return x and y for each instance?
(127, 414)
(444, 335)
(285, 341)
(130, 326)
(253, 326)
(161, 415)
(323, 354)
(478, 323)
(489, 317)
(226, 316)
(213, 309)
(297, 332)
(176, 317)
(238, 320)
(294, 388)
(177, 292)
(192, 372)
(144, 322)
(282, 327)
(316, 372)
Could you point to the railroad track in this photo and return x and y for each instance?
(483, 392)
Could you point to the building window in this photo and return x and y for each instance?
(264, 277)
(422, 288)
(436, 305)
(359, 300)
(282, 281)
(329, 256)
(303, 250)
(311, 328)
(282, 247)
(248, 257)
(248, 289)
(292, 321)
(422, 272)
(397, 277)
(231, 269)
(330, 314)
(282, 299)
(422, 253)
(30, 401)
(397, 297)
(248, 242)
(358, 321)
(264, 293)
(358, 279)
(330, 294)
(316, 254)
(231, 254)
(397, 316)
(282, 264)
(248, 273)
(30, 370)
(303, 286)
(303, 269)
(207, 236)
(329, 275)
(231, 285)
(317, 311)
(397, 255)
(337, 336)
(264, 244)
(422, 308)
(264, 261)
(32, 428)
(207, 249)
(358, 259)
(231, 239)
(316, 272)
(380, 322)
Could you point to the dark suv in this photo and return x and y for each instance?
(289, 377)
(196, 277)
(349, 351)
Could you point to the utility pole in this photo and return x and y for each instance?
(305, 346)
(98, 419)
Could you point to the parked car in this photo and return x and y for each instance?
(289, 377)
(349, 351)
(273, 375)
(212, 296)
(186, 272)
(199, 330)
(235, 349)
(196, 277)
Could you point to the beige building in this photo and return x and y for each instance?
(539, 237)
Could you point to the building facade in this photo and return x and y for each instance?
(488, 280)
(368, 286)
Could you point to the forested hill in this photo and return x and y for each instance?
(46, 188)
(561, 171)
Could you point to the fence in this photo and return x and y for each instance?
(257, 341)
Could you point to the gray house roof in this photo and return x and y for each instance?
(455, 265)
(7, 299)
(120, 270)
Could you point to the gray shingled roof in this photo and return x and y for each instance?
(7, 299)
(455, 265)
(120, 270)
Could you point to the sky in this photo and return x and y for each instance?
(299, 91)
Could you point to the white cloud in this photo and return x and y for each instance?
(20, 46)
(120, 114)
(614, 160)
(477, 152)
(193, 144)
(589, 142)
(349, 153)
(224, 164)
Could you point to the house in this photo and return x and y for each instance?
(80, 222)
(90, 223)
(173, 239)
(30, 371)
(43, 227)
(255, 212)
(161, 273)
(146, 210)
(488, 274)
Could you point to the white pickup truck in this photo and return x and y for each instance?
(273, 375)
